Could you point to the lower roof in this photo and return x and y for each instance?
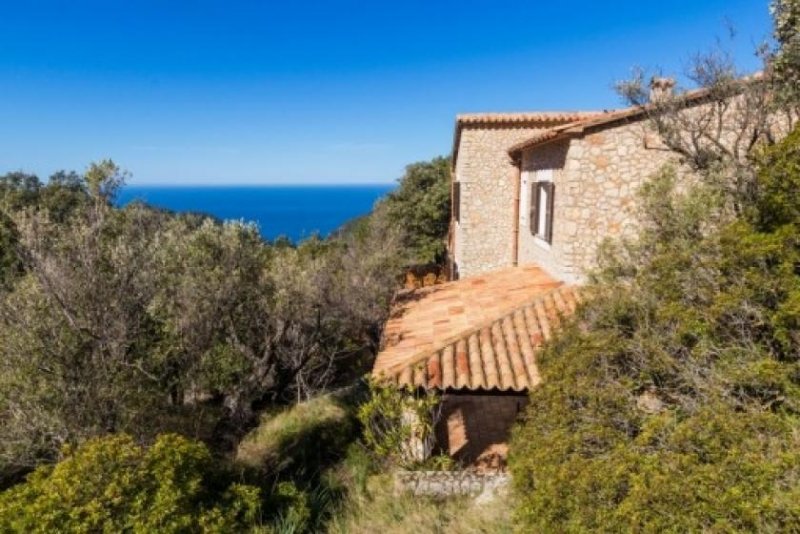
(480, 333)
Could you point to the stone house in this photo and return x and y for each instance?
(550, 194)
(480, 235)
(534, 195)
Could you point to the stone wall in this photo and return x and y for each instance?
(595, 194)
(596, 184)
(483, 239)
(532, 249)
(474, 428)
(451, 483)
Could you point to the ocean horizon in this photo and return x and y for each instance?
(295, 211)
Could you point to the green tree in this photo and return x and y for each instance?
(263, 325)
(786, 60)
(60, 196)
(420, 207)
(141, 321)
(76, 337)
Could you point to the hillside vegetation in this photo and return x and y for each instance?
(120, 327)
(315, 453)
(171, 373)
(671, 402)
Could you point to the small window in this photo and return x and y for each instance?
(457, 201)
(542, 196)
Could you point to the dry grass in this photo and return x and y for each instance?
(279, 437)
(292, 442)
(377, 510)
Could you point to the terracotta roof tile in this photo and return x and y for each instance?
(539, 119)
(498, 355)
(525, 117)
(608, 118)
(546, 135)
(430, 318)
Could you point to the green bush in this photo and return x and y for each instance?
(294, 512)
(778, 183)
(672, 400)
(112, 484)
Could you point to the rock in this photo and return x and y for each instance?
(649, 403)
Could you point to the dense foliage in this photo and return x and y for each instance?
(112, 484)
(672, 401)
(60, 196)
(420, 209)
(786, 61)
(138, 322)
(132, 319)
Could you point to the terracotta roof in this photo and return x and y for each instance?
(541, 137)
(578, 127)
(534, 117)
(500, 355)
(512, 120)
(427, 321)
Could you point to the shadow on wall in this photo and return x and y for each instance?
(474, 428)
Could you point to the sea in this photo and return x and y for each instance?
(292, 211)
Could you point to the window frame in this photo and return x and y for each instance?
(542, 184)
(456, 201)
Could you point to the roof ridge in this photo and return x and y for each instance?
(534, 112)
(553, 132)
(424, 354)
(578, 127)
(529, 116)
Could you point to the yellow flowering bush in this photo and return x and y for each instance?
(113, 484)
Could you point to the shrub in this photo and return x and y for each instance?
(293, 453)
(671, 401)
(294, 512)
(399, 424)
(112, 484)
(778, 182)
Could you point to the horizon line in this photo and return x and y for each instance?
(257, 184)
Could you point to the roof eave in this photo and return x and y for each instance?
(512, 120)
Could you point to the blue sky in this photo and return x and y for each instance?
(317, 92)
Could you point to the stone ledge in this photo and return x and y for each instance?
(484, 486)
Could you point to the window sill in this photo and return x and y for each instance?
(541, 243)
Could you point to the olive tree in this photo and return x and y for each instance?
(255, 324)
(75, 335)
